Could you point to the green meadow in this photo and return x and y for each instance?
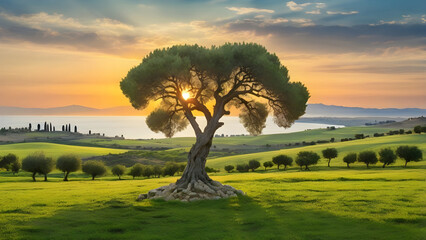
(328, 204)
(324, 203)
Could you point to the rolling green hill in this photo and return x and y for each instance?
(374, 144)
(54, 150)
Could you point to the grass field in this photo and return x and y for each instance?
(54, 150)
(337, 204)
(343, 148)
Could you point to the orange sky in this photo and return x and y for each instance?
(69, 67)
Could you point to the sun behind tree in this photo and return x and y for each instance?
(187, 77)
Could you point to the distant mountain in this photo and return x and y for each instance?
(313, 110)
(322, 110)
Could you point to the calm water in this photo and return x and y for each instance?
(134, 127)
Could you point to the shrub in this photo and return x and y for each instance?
(329, 153)
(243, 167)
(367, 157)
(157, 171)
(94, 168)
(38, 163)
(349, 158)
(418, 129)
(136, 170)
(68, 163)
(268, 164)
(387, 156)
(282, 160)
(307, 158)
(359, 136)
(211, 170)
(7, 161)
(147, 171)
(409, 153)
(253, 165)
(170, 169)
(16, 166)
(229, 168)
(118, 170)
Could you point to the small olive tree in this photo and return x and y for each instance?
(170, 169)
(38, 163)
(16, 166)
(7, 161)
(118, 170)
(253, 165)
(409, 154)
(268, 164)
(282, 160)
(94, 168)
(350, 158)
(367, 157)
(244, 167)
(148, 171)
(136, 170)
(307, 158)
(329, 153)
(68, 163)
(229, 168)
(157, 171)
(387, 156)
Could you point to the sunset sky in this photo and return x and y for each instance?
(351, 53)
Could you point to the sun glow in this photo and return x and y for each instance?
(186, 95)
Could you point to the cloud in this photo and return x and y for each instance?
(342, 13)
(296, 7)
(243, 10)
(299, 7)
(316, 11)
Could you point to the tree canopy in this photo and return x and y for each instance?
(186, 77)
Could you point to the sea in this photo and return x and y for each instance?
(134, 127)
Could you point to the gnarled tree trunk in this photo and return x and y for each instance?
(196, 166)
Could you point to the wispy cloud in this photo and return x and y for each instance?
(316, 11)
(342, 13)
(299, 7)
(243, 10)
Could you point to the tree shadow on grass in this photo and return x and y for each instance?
(236, 218)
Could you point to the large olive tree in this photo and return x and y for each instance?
(188, 80)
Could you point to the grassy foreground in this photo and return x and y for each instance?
(335, 204)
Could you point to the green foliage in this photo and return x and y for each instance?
(136, 170)
(418, 129)
(15, 166)
(38, 163)
(94, 168)
(409, 153)
(350, 158)
(157, 170)
(387, 156)
(329, 153)
(148, 171)
(118, 170)
(268, 164)
(170, 169)
(68, 163)
(211, 170)
(167, 122)
(367, 157)
(253, 165)
(253, 117)
(243, 167)
(229, 168)
(307, 158)
(7, 161)
(282, 160)
(233, 74)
